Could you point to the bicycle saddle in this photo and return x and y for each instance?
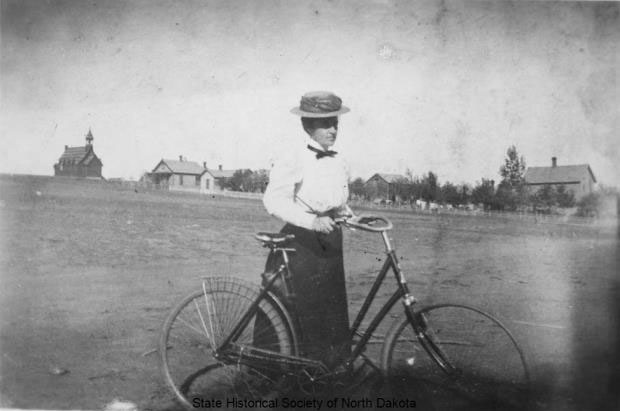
(274, 238)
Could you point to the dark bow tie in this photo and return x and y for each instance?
(321, 153)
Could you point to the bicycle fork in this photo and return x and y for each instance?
(417, 320)
(408, 299)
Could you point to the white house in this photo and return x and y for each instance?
(189, 176)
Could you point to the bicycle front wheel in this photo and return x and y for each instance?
(200, 323)
(463, 358)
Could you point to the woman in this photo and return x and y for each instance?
(307, 190)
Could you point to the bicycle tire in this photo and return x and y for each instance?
(199, 323)
(463, 358)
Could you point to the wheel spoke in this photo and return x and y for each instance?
(465, 358)
(209, 315)
(204, 326)
(198, 331)
(200, 322)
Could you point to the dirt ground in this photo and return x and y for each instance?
(89, 272)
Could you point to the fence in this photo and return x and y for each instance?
(561, 216)
(565, 217)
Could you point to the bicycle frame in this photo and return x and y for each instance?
(402, 292)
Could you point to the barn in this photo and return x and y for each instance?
(382, 186)
(577, 178)
(79, 161)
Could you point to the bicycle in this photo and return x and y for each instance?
(208, 347)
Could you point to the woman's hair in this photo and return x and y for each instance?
(312, 123)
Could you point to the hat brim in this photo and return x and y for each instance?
(301, 113)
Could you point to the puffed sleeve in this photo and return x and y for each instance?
(279, 198)
(344, 210)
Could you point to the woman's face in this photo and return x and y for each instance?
(324, 131)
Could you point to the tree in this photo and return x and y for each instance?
(464, 191)
(543, 198)
(258, 181)
(589, 205)
(484, 193)
(511, 190)
(356, 187)
(513, 169)
(416, 188)
(235, 182)
(450, 194)
(564, 198)
(506, 196)
(401, 189)
(247, 180)
(429, 187)
(549, 196)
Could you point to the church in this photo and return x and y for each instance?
(79, 161)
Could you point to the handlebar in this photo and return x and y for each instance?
(367, 223)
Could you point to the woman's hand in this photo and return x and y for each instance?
(323, 224)
(345, 212)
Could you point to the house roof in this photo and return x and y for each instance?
(389, 178)
(217, 173)
(181, 167)
(191, 167)
(558, 174)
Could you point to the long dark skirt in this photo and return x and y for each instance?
(319, 297)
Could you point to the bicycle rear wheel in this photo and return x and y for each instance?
(463, 359)
(200, 323)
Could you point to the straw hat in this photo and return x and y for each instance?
(318, 104)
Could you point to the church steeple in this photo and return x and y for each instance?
(89, 138)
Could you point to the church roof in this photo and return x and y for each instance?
(81, 154)
(84, 155)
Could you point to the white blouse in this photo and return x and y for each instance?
(302, 185)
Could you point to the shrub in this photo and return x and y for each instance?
(589, 205)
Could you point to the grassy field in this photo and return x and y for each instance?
(89, 271)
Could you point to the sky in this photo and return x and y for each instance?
(442, 86)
